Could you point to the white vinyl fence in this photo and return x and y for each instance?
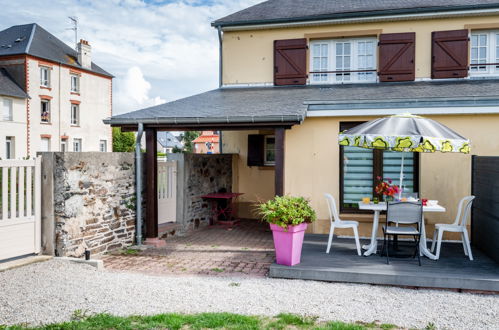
(20, 208)
(167, 191)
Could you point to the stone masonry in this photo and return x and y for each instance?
(93, 202)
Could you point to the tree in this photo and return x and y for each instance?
(187, 138)
(123, 141)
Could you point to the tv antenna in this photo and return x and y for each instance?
(74, 21)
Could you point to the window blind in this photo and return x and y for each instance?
(357, 175)
(391, 169)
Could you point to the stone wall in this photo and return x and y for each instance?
(93, 198)
(199, 174)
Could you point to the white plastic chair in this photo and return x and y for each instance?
(336, 222)
(459, 226)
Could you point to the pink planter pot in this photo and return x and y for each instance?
(288, 243)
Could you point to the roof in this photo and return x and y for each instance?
(282, 11)
(168, 140)
(8, 87)
(281, 104)
(32, 39)
(207, 138)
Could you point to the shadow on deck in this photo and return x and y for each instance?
(452, 271)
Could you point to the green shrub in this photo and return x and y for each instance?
(287, 210)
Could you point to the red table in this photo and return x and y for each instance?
(218, 210)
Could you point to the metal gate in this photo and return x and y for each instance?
(167, 191)
(20, 208)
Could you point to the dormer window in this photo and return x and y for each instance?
(343, 60)
(484, 53)
(44, 76)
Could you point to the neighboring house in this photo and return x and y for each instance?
(69, 95)
(296, 73)
(207, 143)
(167, 142)
(13, 122)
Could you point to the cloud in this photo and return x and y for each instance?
(133, 92)
(171, 42)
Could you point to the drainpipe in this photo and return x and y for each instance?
(138, 184)
(220, 55)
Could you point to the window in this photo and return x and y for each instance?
(343, 60)
(103, 146)
(75, 83)
(360, 167)
(45, 111)
(44, 76)
(45, 144)
(7, 109)
(77, 145)
(75, 115)
(64, 145)
(484, 53)
(9, 147)
(269, 150)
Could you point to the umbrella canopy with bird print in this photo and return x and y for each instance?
(405, 133)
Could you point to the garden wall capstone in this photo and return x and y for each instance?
(92, 196)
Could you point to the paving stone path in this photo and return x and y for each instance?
(246, 250)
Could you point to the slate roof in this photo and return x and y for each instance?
(32, 39)
(278, 104)
(168, 140)
(280, 11)
(8, 87)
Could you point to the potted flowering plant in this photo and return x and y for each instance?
(386, 188)
(288, 218)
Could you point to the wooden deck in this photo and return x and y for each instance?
(452, 271)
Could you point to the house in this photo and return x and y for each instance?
(293, 74)
(64, 95)
(13, 103)
(167, 142)
(207, 143)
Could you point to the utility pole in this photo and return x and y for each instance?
(74, 21)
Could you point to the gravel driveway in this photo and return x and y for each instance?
(51, 291)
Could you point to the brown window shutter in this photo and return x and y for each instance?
(255, 149)
(449, 54)
(397, 52)
(290, 62)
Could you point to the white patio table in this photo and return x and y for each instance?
(377, 208)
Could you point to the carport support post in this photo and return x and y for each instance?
(151, 189)
(279, 161)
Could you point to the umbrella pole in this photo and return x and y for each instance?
(401, 181)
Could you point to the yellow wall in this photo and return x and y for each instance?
(312, 165)
(248, 55)
(257, 183)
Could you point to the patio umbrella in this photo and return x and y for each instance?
(405, 133)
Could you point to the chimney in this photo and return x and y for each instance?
(84, 54)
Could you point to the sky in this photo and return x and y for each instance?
(158, 50)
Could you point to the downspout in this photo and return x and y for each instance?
(220, 83)
(220, 57)
(138, 184)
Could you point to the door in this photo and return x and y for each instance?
(20, 207)
(167, 191)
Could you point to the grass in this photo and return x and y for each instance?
(130, 252)
(82, 321)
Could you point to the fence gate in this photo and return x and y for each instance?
(20, 207)
(167, 191)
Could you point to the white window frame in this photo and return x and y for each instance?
(75, 114)
(491, 53)
(7, 109)
(267, 162)
(10, 145)
(75, 83)
(77, 145)
(48, 144)
(354, 57)
(45, 81)
(42, 101)
(103, 145)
